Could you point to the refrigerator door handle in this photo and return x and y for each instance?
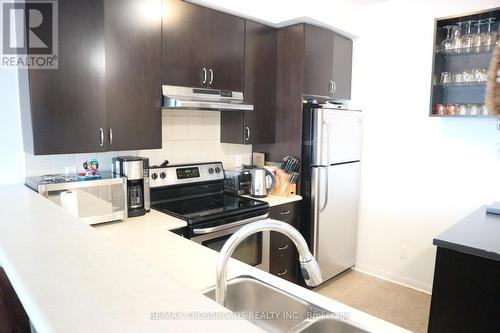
(325, 124)
(315, 183)
(326, 191)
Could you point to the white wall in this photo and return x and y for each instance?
(11, 141)
(188, 136)
(420, 175)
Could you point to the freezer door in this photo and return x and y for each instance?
(342, 141)
(336, 217)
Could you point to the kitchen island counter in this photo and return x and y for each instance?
(478, 234)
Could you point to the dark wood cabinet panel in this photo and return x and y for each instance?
(63, 109)
(342, 67)
(318, 61)
(283, 259)
(184, 43)
(225, 51)
(133, 77)
(257, 126)
(13, 317)
(465, 293)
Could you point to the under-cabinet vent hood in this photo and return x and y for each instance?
(175, 97)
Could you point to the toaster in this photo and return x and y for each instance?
(237, 181)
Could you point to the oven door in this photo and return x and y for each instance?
(254, 250)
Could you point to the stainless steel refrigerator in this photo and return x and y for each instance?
(331, 157)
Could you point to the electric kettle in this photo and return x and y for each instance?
(262, 182)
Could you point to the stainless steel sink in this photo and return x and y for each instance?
(326, 325)
(275, 310)
(253, 298)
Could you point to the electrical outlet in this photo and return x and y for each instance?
(403, 252)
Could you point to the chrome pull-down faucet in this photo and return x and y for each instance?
(309, 267)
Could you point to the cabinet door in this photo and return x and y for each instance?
(318, 61)
(133, 73)
(225, 52)
(342, 67)
(260, 83)
(184, 43)
(257, 126)
(67, 104)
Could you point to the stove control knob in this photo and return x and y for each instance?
(217, 169)
(163, 175)
(154, 176)
(210, 170)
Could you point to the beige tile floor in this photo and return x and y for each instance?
(394, 303)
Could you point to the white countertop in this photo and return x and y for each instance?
(74, 278)
(194, 266)
(276, 200)
(71, 278)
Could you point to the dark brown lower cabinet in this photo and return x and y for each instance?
(13, 318)
(283, 254)
(465, 294)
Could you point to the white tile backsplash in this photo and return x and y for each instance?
(188, 136)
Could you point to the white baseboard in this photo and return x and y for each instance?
(395, 278)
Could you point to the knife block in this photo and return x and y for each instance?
(281, 185)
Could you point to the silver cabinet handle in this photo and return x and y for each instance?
(285, 212)
(283, 247)
(248, 133)
(204, 75)
(334, 87)
(110, 136)
(101, 137)
(283, 273)
(330, 86)
(211, 76)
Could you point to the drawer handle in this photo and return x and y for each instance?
(283, 247)
(285, 212)
(283, 273)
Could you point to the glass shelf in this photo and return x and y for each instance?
(466, 51)
(461, 84)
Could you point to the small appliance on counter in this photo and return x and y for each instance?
(237, 181)
(91, 200)
(136, 170)
(262, 182)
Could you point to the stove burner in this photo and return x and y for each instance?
(57, 178)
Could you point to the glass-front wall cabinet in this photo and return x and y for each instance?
(462, 54)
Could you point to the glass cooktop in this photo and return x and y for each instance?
(209, 207)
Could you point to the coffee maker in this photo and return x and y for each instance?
(136, 169)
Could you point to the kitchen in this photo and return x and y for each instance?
(417, 178)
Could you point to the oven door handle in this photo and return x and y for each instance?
(229, 225)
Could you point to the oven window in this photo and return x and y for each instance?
(249, 251)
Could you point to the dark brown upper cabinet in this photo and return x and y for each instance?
(133, 77)
(327, 63)
(202, 47)
(318, 61)
(106, 93)
(257, 126)
(63, 109)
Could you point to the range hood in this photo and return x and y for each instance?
(175, 97)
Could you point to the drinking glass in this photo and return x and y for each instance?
(490, 37)
(473, 109)
(446, 78)
(446, 43)
(466, 40)
(456, 37)
(483, 110)
(462, 109)
(477, 40)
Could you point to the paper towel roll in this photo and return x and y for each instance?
(69, 201)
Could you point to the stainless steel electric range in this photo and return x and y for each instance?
(195, 193)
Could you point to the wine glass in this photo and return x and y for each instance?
(456, 37)
(490, 37)
(477, 40)
(446, 43)
(466, 40)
